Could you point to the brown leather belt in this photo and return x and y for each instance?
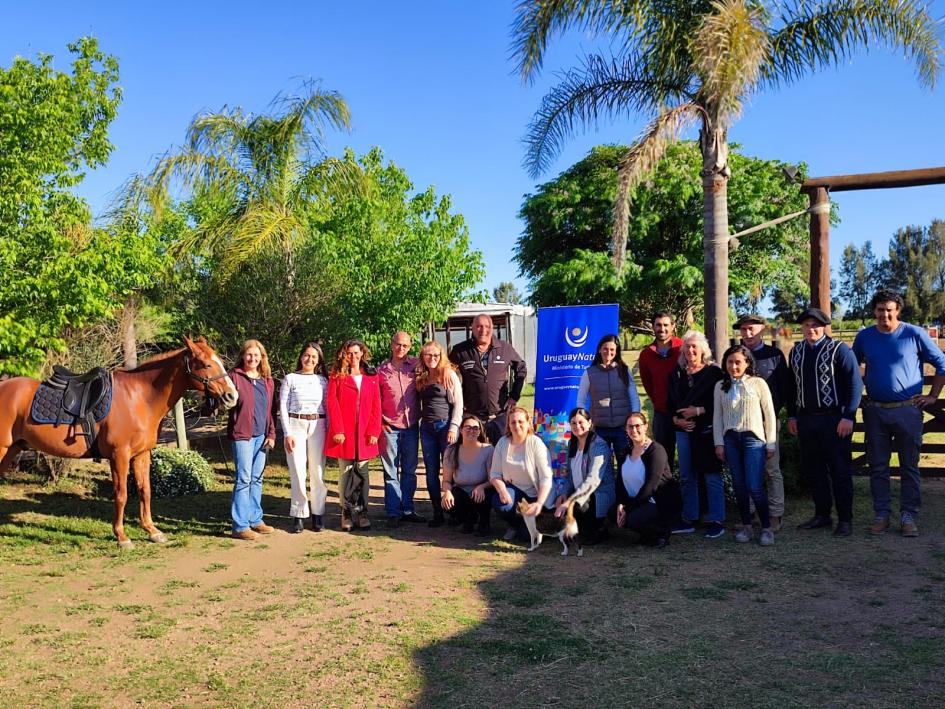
(306, 417)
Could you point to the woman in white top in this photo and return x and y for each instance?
(466, 487)
(521, 469)
(744, 427)
(302, 410)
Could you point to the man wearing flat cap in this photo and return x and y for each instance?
(825, 391)
(894, 352)
(771, 366)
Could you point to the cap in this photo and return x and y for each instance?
(751, 318)
(816, 314)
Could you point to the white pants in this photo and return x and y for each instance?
(308, 456)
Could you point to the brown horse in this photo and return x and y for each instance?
(141, 397)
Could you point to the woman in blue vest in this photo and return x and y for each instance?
(590, 479)
(609, 392)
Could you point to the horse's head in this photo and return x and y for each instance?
(206, 369)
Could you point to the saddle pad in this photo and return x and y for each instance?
(47, 405)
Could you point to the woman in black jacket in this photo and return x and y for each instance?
(648, 499)
(691, 401)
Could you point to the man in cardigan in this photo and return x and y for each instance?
(825, 391)
(657, 360)
(894, 352)
(771, 366)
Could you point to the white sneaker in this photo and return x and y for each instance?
(743, 535)
(767, 537)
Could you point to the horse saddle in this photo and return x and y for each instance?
(81, 400)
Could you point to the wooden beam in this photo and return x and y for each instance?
(877, 180)
(820, 248)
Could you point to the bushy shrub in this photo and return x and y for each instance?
(177, 472)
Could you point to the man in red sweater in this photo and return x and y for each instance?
(657, 360)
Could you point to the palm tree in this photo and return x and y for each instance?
(685, 62)
(261, 173)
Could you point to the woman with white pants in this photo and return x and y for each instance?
(302, 408)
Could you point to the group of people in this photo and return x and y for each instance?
(481, 454)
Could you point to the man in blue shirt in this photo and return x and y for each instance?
(893, 353)
(824, 392)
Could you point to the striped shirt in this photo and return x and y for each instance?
(301, 394)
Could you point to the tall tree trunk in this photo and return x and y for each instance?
(129, 339)
(715, 173)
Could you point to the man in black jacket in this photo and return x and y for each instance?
(493, 375)
(770, 365)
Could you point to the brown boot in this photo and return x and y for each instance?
(879, 526)
(262, 528)
(363, 521)
(345, 520)
(775, 524)
(247, 535)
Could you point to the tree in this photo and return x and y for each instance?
(506, 292)
(860, 276)
(686, 62)
(257, 174)
(57, 272)
(915, 269)
(567, 227)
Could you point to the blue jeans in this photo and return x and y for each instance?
(246, 506)
(509, 512)
(433, 438)
(900, 430)
(400, 451)
(745, 455)
(689, 485)
(616, 438)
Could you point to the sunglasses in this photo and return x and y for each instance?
(471, 428)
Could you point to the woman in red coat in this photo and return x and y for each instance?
(354, 425)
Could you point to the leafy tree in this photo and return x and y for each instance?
(567, 228)
(506, 292)
(57, 272)
(257, 176)
(860, 276)
(915, 269)
(684, 62)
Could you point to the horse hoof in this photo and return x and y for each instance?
(126, 544)
(158, 538)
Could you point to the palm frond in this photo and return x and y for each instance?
(309, 115)
(602, 87)
(536, 21)
(728, 50)
(640, 161)
(813, 36)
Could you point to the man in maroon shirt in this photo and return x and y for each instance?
(657, 361)
(400, 412)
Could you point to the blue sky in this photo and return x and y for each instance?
(433, 85)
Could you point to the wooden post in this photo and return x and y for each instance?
(820, 248)
(180, 426)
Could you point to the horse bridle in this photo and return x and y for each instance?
(203, 380)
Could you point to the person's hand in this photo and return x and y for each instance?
(372, 440)
(269, 444)
(533, 509)
(769, 453)
(923, 400)
(844, 428)
(479, 493)
(338, 438)
(451, 436)
(792, 426)
(684, 424)
(690, 412)
(504, 497)
(386, 427)
(447, 501)
(289, 442)
(720, 453)
(621, 516)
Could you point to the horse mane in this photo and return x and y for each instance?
(155, 361)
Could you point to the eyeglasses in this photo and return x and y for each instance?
(635, 426)
(471, 428)
(434, 355)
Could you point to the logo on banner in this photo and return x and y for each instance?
(575, 337)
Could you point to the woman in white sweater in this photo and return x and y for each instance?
(302, 409)
(521, 469)
(744, 426)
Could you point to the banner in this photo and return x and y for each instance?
(567, 342)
